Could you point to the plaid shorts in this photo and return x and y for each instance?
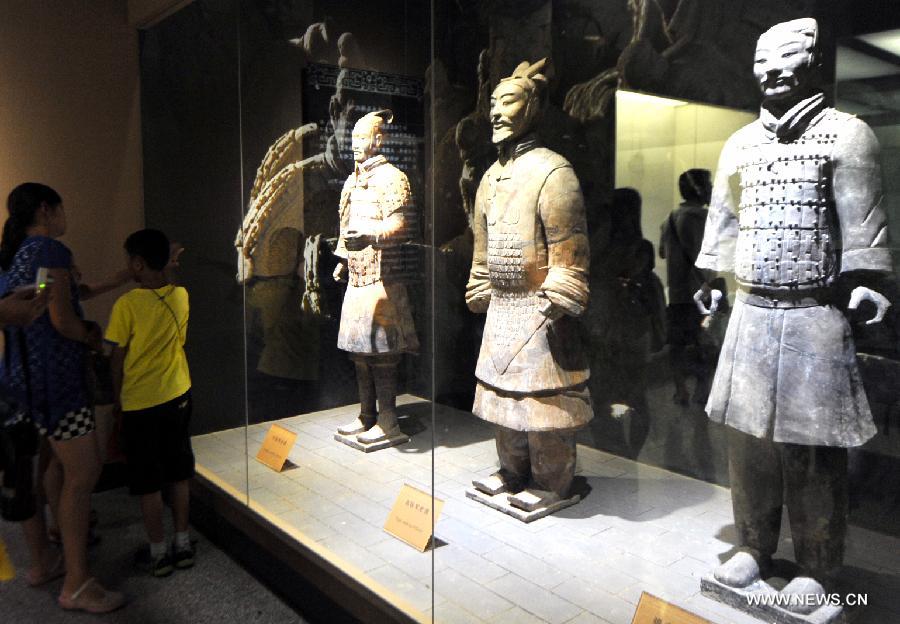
(73, 425)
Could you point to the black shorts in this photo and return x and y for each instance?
(158, 445)
(19, 443)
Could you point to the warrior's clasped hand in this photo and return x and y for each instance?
(881, 303)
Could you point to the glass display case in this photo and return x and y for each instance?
(528, 312)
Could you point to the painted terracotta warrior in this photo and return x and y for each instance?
(529, 273)
(376, 319)
(805, 235)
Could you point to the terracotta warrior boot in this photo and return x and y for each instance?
(532, 499)
(367, 413)
(805, 594)
(744, 568)
(386, 426)
(501, 482)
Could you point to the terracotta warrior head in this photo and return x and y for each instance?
(368, 134)
(787, 60)
(516, 102)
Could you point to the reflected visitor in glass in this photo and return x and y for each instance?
(679, 244)
(625, 322)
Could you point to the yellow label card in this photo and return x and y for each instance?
(276, 447)
(414, 514)
(7, 572)
(653, 610)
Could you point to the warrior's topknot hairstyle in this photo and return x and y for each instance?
(377, 119)
(529, 78)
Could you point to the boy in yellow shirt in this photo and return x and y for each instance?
(151, 380)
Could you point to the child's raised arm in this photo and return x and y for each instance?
(94, 289)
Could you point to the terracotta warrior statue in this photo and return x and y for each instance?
(805, 239)
(376, 319)
(529, 273)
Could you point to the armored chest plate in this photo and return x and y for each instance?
(511, 224)
(786, 213)
(364, 266)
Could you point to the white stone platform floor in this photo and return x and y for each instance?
(639, 529)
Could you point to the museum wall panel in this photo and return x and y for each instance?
(70, 117)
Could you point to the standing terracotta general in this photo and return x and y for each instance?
(529, 273)
(803, 239)
(376, 320)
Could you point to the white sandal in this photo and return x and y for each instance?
(80, 601)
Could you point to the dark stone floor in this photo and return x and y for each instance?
(216, 591)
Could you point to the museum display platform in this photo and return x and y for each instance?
(638, 529)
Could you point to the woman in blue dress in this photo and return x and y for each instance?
(43, 372)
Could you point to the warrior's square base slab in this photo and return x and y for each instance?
(500, 502)
(740, 599)
(350, 440)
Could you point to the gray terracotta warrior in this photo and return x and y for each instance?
(376, 319)
(529, 273)
(803, 238)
